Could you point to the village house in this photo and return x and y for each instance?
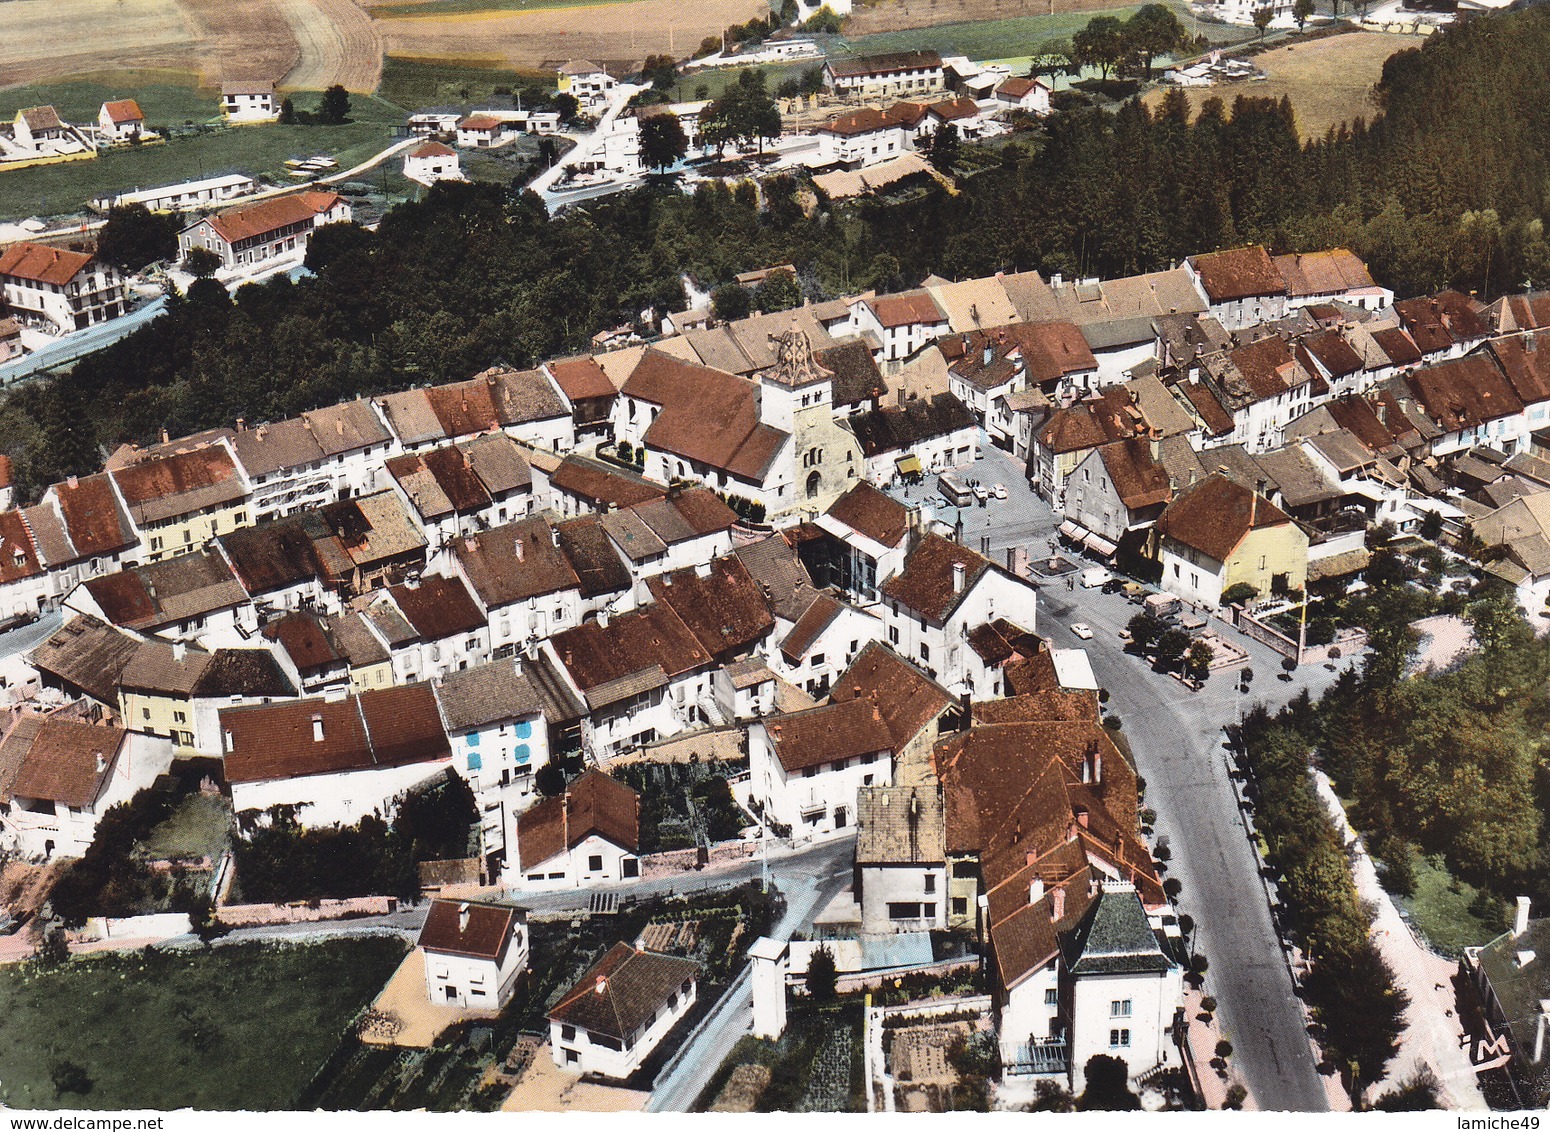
(181, 501)
(1241, 287)
(1258, 389)
(860, 138)
(474, 953)
(432, 627)
(317, 458)
(335, 761)
(579, 485)
(919, 437)
(465, 487)
(120, 121)
(432, 162)
(806, 766)
(898, 75)
(59, 776)
(1030, 95)
(524, 404)
(249, 101)
(494, 718)
(695, 422)
(822, 643)
(1471, 402)
(620, 1010)
(1118, 488)
(589, 834)
(1445, 325)
(899, 324)
(585, 81)
(522, 579)
(484, 131)
(185, 196)
(1330, 276)
(590, 393)
(901, 859)
(252, 234)
(331, 655)
(1217, 534)
(687, 526)
(57, 290)
(81, 531)
(868, 541)
(35, 126)
(193, 598)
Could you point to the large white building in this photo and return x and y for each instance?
(58, 290)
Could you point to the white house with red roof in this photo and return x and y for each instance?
(619, 1010)
(484, 131)
(474, 953)
(252, 234)
(433, 162)
(120, 121)
(59, 290)
(1031, 95)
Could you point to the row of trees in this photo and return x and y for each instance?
(1128, 46)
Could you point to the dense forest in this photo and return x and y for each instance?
(1447, 186)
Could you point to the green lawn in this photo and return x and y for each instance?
(79, 100)
(1440, 909)
(717, 80)
(239, 1027)
(199, 827)
(1016, 38)
(417, 83)
(261, 150)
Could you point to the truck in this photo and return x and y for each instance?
(954, 490)
(1163, 605)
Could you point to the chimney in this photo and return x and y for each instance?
(960, 576)
(1540, 1027)
(241, 423)
(102, 763)
(179, 651)
(317, 728)
(990, 353)
(462, 918)
(1520, 922)
(74, 482)
(1057, 904)
(602, 618)
(1081, 817)
(518, 549)
(1036, 890)
(602, 985)
(554, 535)
(165, 438)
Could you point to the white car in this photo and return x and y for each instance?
(999, 491)
(1095, 576)
(1083, 630)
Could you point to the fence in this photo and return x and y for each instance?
(935, 1007)
(1346, 640)
(674, 862)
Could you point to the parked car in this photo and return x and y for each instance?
(1083, 630)
(1113, 586)
(1135, 592)
(1124, 635)
(1095, 576)
(999, 491)
(981, 494)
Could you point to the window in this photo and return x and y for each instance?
(568, 1033)
(1119, 1008)
(595, 863)
(1052, 996)
(903, 910)
(960, 905)
(893, 634)
(964, 870)
(930, 883)
(1119, 1039)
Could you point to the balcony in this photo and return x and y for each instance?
(1041, 1057)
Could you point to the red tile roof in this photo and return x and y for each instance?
(434, 149)
(725, 609)
(907, 699)
(390, 727)
(707, 415)
(622, 991)
(1438, 321)
(181, 483)
(1464, 392)
(863, 121)
(123, 110)
(39, 263)
(581, 379)
(1139, 479)
(1525, 358)
(18, 555)
(68, 762)
(1215, 515)
(830, 733)
(249, 221)
(954, 109)
(1242, 273)
(1323, 273)
(438, 607)
(593, 804)
(645, 639)
(868, 511)
(909, 308)
(925, 585)
(484, 934)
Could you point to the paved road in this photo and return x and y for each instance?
(82, 342)
(808, 881)
(1176, 738)
(25, 637)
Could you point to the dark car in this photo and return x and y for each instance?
(1113, 585)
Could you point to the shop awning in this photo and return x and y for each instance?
(1073, 531)
(1099, 545)
(909, 465)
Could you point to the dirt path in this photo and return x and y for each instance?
(1432, 1030)
(339, 44)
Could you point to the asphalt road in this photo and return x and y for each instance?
(25, 637)
(1176, 738)
(81, 343)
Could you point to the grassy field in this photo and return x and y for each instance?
(417, 83)
(240, 1027)
(717, 80)
(1328, 80)
(79, 100)
(62, 190)
(1014, 38)
(1440, 909)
